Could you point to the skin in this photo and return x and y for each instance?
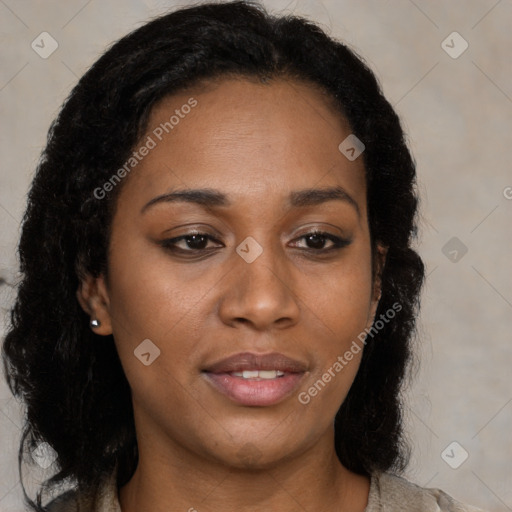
(256, 143)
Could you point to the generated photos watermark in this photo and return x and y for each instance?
(305, 396)
(150, 143)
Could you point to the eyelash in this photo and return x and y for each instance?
(339, 243)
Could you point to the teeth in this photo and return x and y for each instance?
(267, 374)
(258, 374)
(250, 374)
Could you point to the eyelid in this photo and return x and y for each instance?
(190, 234)
(324, 227)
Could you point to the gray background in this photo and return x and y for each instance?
(457, 113)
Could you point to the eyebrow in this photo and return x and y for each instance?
(212, 198)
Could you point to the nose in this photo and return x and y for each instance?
(260, 294)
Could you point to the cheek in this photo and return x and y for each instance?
(150, 294)
(342, 312)
(337, 349)
(151, 300)
(342, 298)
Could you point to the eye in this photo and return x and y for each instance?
(317, 240)
(190, 243)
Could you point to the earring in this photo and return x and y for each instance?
(95, 323)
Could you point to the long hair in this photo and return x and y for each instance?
(71, 380)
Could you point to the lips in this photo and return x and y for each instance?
(254, 379)
(250, 361)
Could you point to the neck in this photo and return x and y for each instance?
(178, 480)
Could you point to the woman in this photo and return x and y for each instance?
(224, 214)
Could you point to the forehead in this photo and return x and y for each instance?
(248, 139)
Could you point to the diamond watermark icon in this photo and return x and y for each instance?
(454, 455)
(351, 147)
(454, 45)
(44, 45)
(454, 249)
(249, 249)
(249, 453)
(146, 352)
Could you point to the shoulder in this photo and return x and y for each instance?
(392, 493)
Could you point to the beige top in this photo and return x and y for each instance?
(388, 493)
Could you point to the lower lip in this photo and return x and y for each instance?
(254, 392)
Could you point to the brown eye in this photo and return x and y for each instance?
(196, 241)
(190, 243)
(316, 241)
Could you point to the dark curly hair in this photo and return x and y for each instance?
(71, 380)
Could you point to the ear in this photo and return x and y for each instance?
(378, 267)
(92, 294)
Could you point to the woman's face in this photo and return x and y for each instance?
(252, 283)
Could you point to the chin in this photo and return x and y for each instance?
(253, 455)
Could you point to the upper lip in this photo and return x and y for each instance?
(250, 361)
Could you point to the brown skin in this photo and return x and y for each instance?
(256, 143)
